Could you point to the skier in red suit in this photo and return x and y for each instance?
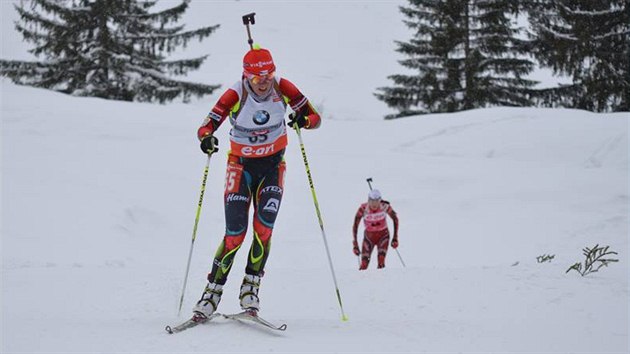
(374, 214)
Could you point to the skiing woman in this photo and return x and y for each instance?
(374, 214)
(256, 106)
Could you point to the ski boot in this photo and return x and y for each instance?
(249, 293)
(209, 301)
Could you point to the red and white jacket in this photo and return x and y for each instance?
(375, 220)
(258, 126)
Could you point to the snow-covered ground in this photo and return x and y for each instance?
(99, 199)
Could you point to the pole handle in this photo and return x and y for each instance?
(247, 19)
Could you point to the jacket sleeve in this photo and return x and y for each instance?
(392, 214)
(357, 220)
(299, 103)
(218, 113)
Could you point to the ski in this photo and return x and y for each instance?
(252, 316)
(193, 322)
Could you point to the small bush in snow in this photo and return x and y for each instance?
(595, 259)
(545, 258)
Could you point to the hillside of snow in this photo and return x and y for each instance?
(99, 198)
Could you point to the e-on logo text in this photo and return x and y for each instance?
(257, 151)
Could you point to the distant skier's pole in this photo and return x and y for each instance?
(194, 234)
(369, 182)
(319, 217)
(247, 19)
(399, 257)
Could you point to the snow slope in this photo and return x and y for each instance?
(99, 197)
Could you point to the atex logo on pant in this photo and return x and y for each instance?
(271, 189)
(272, 205)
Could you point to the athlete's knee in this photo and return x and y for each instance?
(236, 213)
(263, 230)
(381, 259)
(230, 242)
(365, 261)
(269, 204)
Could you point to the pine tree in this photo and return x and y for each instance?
(589, 41)
(465, 54)
(496, 62)
(430, 86)
(114, 49)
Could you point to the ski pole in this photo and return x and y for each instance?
(369, 182)
(194, 234)
(319, 217)
(399, 257)
(359, 255)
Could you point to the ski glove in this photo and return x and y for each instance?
(298, 118)
(209, 144)
(355, 248)
(395, 242)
